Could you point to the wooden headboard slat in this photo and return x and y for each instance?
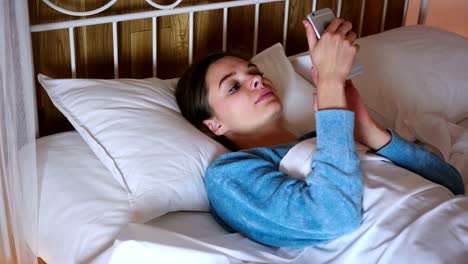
(94, 55)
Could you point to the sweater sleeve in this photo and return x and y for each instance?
(420, 161)
(249, 193)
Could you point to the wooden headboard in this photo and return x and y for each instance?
(94, 56)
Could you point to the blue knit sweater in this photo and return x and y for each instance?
(249, 194)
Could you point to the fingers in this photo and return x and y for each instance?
(333, 54)
(357, 48)
(334, 25)
(345, 28)
(342, 27)
(310, 33)
(338, 25)
(351, 36)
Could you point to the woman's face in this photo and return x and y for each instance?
(242, 100)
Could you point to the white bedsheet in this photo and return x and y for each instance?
(189, 237)
(406, 219)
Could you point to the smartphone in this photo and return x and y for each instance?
(320, 20)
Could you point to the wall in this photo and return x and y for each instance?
(446, 14)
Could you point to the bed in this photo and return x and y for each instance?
(126, 185)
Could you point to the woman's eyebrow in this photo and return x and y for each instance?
(250, 65)
(224, 78)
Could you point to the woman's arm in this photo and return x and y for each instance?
(419, 160)
(403, 153)
(249, 193)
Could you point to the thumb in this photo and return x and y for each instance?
(310, 34)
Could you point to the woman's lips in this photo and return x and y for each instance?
(264, 96)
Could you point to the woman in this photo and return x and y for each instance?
(230, 99)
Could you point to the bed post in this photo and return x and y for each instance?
(27, 65)
(422, 11)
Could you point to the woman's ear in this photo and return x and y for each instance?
(214, 126)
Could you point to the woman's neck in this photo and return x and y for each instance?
(270, 136)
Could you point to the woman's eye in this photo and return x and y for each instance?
(234, 88)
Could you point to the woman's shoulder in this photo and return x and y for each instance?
(235, 168)
(247, 159)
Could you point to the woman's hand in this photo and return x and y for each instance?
(366, 130)
(333, 57)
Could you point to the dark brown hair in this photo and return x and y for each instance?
(192, 96)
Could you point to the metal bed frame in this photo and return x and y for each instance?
(172, 9)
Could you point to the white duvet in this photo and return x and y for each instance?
(407, 219)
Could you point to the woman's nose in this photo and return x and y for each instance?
(256, 82)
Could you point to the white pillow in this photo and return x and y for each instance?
(82, 209)
(415, 69)
(134, 127)
(408, 70)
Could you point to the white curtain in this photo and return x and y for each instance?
(18, 182)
